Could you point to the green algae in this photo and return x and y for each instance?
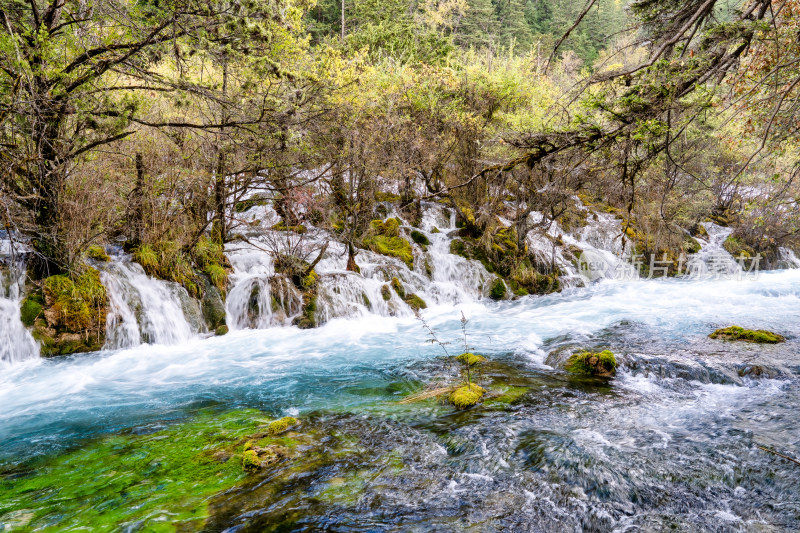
(98, 253)
(505, 394)
(159, 481)
(737, 333)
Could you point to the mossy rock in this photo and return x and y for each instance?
(398, 288)
(690, 245)
(386, 293)
(415, 302)
(471, 359)
(98, 253)
(308, 320)
(419, 238)
(221, 330)
(31, 308)
(281, 226)
(281, 425)
(435, 230)
(467, 396)
(737, 333)
(498, 290)
(75, 305)
(253, 201)
(381, 196)
(505, 394)
(384, 238)
(602, 364)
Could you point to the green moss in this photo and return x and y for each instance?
(737, 248)
(398, 288)
(31, 308)
(159, 481)
(498, 290)
(384, 238)
(457, 247)
(391, 246)
(98, 253)
(386, 292)
(253, 201)
(467, 396)
(471, 359)
(435, 230)
(690, 245)
(602, 364)
(419, 238)
(282, 424)
(387, 197)
(281, 226)
(221, 330)
(736, 333)
(415, 302)
(250, 461)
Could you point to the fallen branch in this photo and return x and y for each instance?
(795, 461)
(430, 393)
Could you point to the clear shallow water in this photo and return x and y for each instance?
(669, 442)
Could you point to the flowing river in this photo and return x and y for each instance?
(671, 443)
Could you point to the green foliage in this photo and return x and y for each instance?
(281, 425)
(737, 333)
(78, 305)
(98, 253)
(467, 396)
(602, 364)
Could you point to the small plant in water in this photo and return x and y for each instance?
(469, 393)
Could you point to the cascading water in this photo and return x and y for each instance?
(713, 260)
(787, 258)
(16, 343)
(146, 310)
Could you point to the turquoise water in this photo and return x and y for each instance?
(670, 442)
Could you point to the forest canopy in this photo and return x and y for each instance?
(150, 123)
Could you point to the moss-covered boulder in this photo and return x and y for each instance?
(221, 330)
(386, 293)
(398, 287)
(419, 238)
(737, 333)
(68, 315)
(470, 359)
(735, 246)
(98, 253)
(281, 425)
(497, 290)
(467, 396)
(602, 364)
(415, 302)
(31, 308)
(384, 238)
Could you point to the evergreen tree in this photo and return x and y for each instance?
(478, 27)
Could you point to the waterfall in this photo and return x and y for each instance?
(262, 301)
(787, 258)
(713, 260)
(146, 310)
(16, 343)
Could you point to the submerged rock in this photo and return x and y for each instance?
(602, 364)
(737, 333)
